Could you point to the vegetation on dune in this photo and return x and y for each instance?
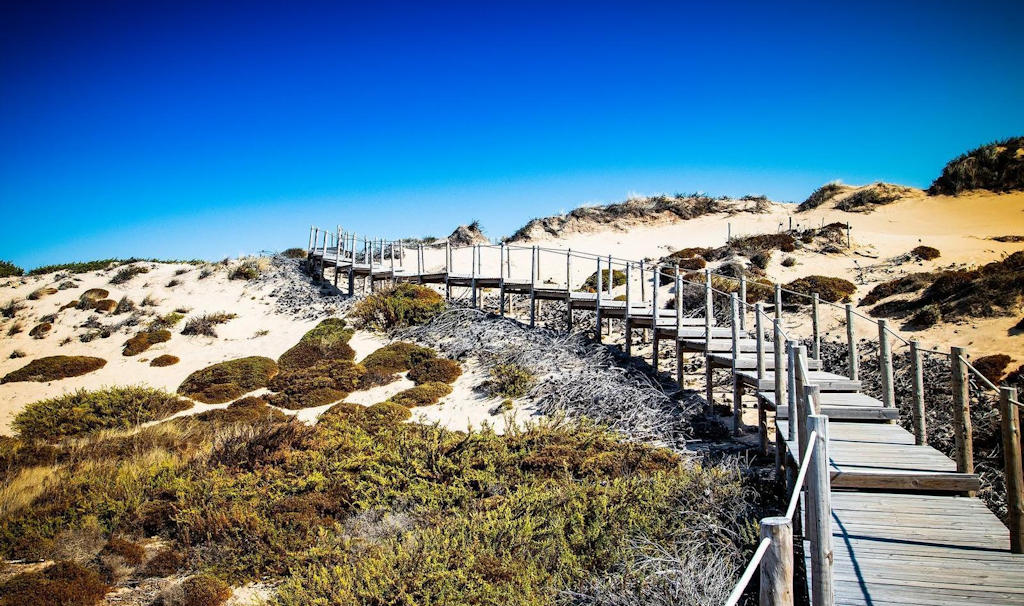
(251, 409)
(509, 380)
(8, 269)
(590, 284)
(39, 293)
(206, 324)
(143, 340)
(993, 367)
(294, 253)
(226, 381)
(398, 307)
(105, 305)
(64, 583)
(997, 167)
(11, 309)
(440, 370)
(84, 412)
(822, 195)
(128, 272)
(196, 590)
(164, 360)
(396, 357)
(124, 305)
(832, 290)
(101, 264)
(327, 341)
(876, 194)
(52, 368)
(324, 382)
(992, 290)
(423, 394)
(248, 269)
(40, 330)
(925, 253)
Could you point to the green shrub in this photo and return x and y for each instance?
(398, 307)
(327, 341)
(205, 324)
(998, 167)
(84, 412)
(128, 272)
(440, 370)
(877, 194)
(294, 253)
(510, 380)
(422, 395)
(167, 321)
(749, 246)
(788, 262)
(590, 284)
(52, 368)
(196, 590)
(227, 381)
(690, 253)
(131, 553)
(906, 284)
(692, 263)
(832, 290)
(926, 317)
(250, 269)
(164, 360)
(251, 409)
(75, 268)
(164, 563)
(63, 583)
(821, 195)
(143, 340)
(324, 382)
(8, 269)
(399, 356)
(925, 253)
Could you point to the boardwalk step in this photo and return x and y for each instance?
(827, 381)
(840, 406)
(749, 362)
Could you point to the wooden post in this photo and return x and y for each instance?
(851, 343)
(962, 412)
(611, 277)
(447, 255)
(778, 301)
(628, 322)
(473, 253)
(568, 289)
(791, 395)
(533, 287)
(762, 413)
(777, 564)
(643, 278)
(654, 317)
(337, 256)
(780, 377)
(885, 365)
(309, 251)
(323, 258)
(709, 314)
(819, 510)
(1010, 417)
(352, 268)
(679, 326)
(917, 383)
(743, 302)
(501, 279)
(737, 385)
(815, 328)
(597, 300)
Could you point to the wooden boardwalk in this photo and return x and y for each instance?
(903, 531)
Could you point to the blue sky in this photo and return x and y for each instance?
(214, 129)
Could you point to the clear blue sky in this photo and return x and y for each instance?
(212, 129)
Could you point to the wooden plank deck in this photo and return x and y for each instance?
(921, 549)
(840, 406)
(827, 381)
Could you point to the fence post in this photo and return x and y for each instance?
(473, 253)
(777, 564)
(778, 302)
(655, 341)
(815, 328)
(743, 302)
(737, 386)
(885, 365)
(851, 341)
(310, 249)
(819, 509)
(1012, 465)
(962, 412)
(643, 273)
(533, 287)
(501, 279)
(709, 314)
(762, 413)
(337, 258)
(917, 384)
(679, 325)
(352, 268)
(597, 301)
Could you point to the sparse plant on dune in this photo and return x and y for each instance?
(925, 253)
(164, 360)
(39, 293)
(294, 253)
(52, 368)
(205, 324)
(249, 269)
(8, 269)
(998, 167)
(128, 272)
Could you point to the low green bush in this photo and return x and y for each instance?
(62, 583)
(229, 380)
(327, 341)
(144, 340)
(398, 307)
(998, 166)
(52, 368)
(324, 382)
(396, 357)
(832, 290)
(590, 284)
(164, 360)
(925, 253)
(8, 269)
(205, 324)
(510, 380)
(251, 409)
(440, 370)
(294, 253)
(128, 272)
(422, 395)
(84, 412)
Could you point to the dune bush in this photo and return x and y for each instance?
(40, 330)
(997, 166)
(164, 360)
(248, 269)
(822, 195)
(510, 380)
(396, 357)
(925, 253)
(440, 370)
(143, 340)
(196, 590)
(325, 382)
(294, 253)
(226, 381)
(128, 272)
(398, 307)
(251, 409)
(64, 583)
(830, 289)
(328, 340)
(84, 412)
(39, 293)
(590, 284)
(52, 368)
(8, 269)
(424, 394)
(105, 305)
(992, 367)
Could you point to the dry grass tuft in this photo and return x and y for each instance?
(830, 289)
(40, 330)
(294, 253)
(205, 324)
(128, 272)
(197, 590)
(52, 368)
(39, 293)
(998, 167)
(164, 360)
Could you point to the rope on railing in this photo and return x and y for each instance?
(748, 572)
(794, 499)
(984, 379)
